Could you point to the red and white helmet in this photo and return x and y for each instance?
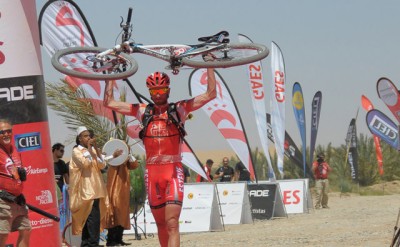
(157, 79)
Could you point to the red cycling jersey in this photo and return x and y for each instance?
(164, 176)
(9, 178)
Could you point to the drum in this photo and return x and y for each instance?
(69, 239)
(138, 190)
(111, 146)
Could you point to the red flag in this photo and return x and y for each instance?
(367, 105)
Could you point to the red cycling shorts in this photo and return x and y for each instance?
(164, 184)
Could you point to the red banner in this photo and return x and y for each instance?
(23, 101)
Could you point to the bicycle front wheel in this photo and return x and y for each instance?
(229, 55)
(81, 62)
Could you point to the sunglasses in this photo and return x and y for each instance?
(61, 150)
(2, 132)
(159, 91)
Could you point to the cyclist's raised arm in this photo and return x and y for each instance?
(110, 102)
(210, 94)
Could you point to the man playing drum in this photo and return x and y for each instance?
(162, 140)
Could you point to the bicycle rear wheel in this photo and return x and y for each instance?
(228, 56)
(80, 62)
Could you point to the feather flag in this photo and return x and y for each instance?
(352, 154)
(23, 104)
(381, 125)
(390, 95)
(315, 113)
(256, 86)
(367, 105)
(277, 103)
(291, 149)
(299, 113)
(223, 112)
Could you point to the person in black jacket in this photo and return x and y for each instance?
(225, 173)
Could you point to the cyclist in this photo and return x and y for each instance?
(162, 140)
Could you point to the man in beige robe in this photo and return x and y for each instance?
(87, 190)
(118, 188)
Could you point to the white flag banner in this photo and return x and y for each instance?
(256, 86)
(278, 103)
(222, 112)
(63, 25)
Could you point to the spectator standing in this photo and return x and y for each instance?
(186, 174)
(241, 173)
(118, 188)
(207, 169)
(321, 170)
(60, 167)
(87, 191)
(225, 173)
(13, 209)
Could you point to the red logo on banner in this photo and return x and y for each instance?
(2, 56)
(291, 197)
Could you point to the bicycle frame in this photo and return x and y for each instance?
(171, 53)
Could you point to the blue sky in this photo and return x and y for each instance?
(340, 48)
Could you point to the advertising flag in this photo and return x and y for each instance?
(223, 112)
(352, 155)
(381, 125)
(389, 94)
(24, 105)
(315, 113)
(277, 102)
(291, 149)
(256, 86)
(367, 105)
(299, 113)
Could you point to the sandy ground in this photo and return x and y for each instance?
(352, 220)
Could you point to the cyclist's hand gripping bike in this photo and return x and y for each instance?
(112, 64)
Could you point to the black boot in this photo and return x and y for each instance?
(112, 239)
(120, 233)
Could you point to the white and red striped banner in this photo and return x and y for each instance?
(258, 95)
(223, 113)
(277, 101)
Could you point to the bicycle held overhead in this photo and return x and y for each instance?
(95, 63)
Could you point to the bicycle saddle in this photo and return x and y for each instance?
(219, 38)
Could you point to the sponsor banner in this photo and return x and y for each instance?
(223, 112)
(293, 194)
(291, 149)
(389, 94)
(256, 86)
(352, 155)
(367, 105)
(200, 211)
(299, 113)
(234, 202)
(381, 125)
(277, 102)
(315, 113)
(262, 198)
(22, 96)
(19, 49)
